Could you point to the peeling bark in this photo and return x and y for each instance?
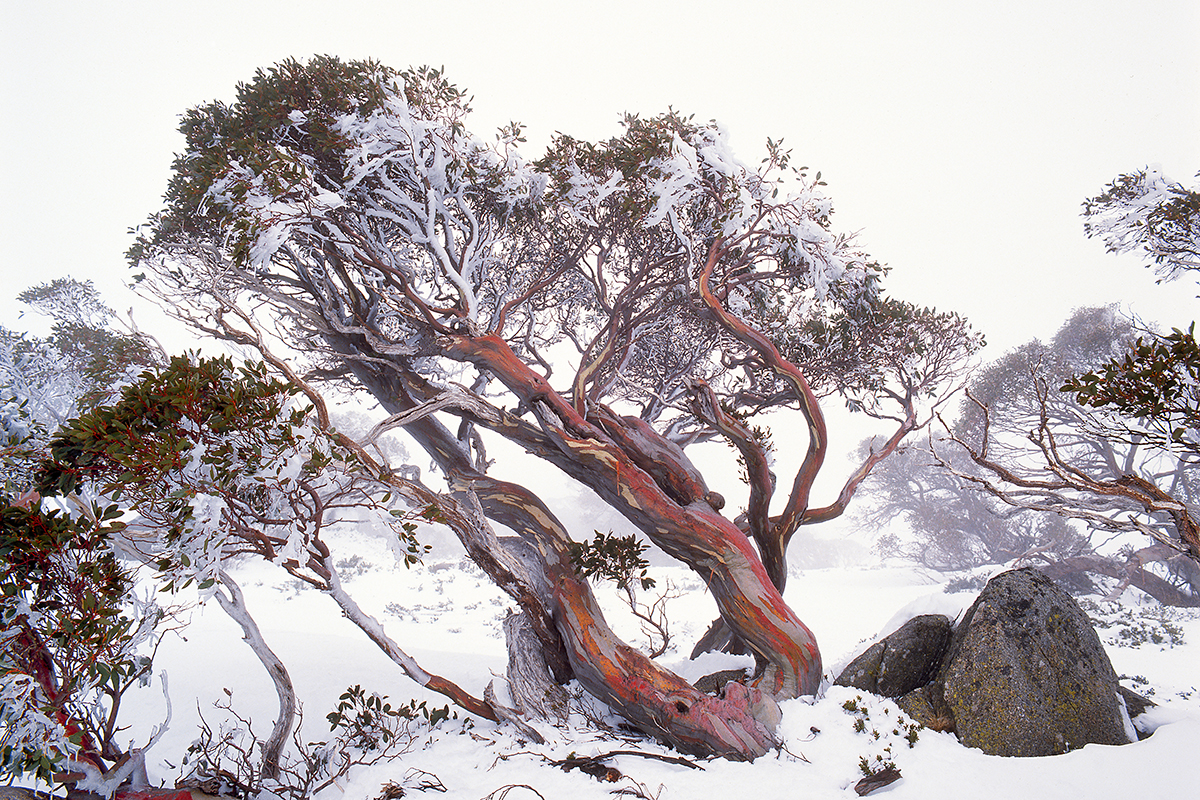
(695, 534)
(656, 700)
(530, 682)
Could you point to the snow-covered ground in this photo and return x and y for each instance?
(447, 614)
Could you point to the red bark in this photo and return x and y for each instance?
(694, 533)
(740, 726)
(772, 538)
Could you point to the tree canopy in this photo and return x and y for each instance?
(82, 358)
(340, 218)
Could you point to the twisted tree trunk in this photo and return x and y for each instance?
(741, 725)
(235, 606)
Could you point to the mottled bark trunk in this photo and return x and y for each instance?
(530, 683)
(741, 725)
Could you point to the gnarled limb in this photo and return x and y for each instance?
(235, 606)
(1070, 492)
(773, 360)
(758, 475)
(664, 705)
(695, 534)
(640, 690)
(835, 509)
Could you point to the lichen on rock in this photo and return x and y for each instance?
(1026, 674)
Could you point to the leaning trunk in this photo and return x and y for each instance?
(742, 724)
(235, 606)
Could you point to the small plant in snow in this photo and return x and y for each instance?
(354, 566)
(1122, 626)
(366, 729)
(881, 729)
(966, 583)
(619, 559)
(368, 722)
(1141, 684)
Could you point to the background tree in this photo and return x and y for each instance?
(957, 526)
(344, 208)
(75, 637)
(84, 356)
(1142, 401)
(947, 525)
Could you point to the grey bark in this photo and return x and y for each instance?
(235, 606)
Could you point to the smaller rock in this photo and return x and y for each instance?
(903, 661)
(1135, 704)
(715, 683)
(863, 671)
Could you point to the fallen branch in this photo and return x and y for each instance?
(877, 780)
(595, 766)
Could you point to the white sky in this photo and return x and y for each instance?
(960, 138)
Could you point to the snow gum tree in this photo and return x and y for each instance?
(85, 356)
(1126, 457)
(344, 212)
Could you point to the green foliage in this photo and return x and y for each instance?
(247, 132)
(1142, 210)
(855, 351)
(1156, 382)
(369, 722)
(280, 132)
(633, 155)
(62, 595)
(81, 332)
(877, 731)
(203, 433)
(135, 446)
(406, 530)
(82, 359)
(612, 558)
(186, 430)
